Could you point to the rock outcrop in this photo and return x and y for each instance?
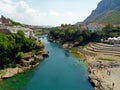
(29, 61)
(104, 65)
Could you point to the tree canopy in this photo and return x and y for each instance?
(70, 33)
(12, 47)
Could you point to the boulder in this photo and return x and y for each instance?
(45, 53)
(38, 57)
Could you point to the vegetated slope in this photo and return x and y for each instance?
(111, 17)
(107, 11)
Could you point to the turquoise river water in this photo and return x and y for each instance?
(59, 71)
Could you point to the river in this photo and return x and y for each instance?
(59, 71)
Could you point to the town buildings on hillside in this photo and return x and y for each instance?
(95, 26)
(6, 27)
(4, 21)
(92, 26)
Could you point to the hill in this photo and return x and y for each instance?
(107, 11)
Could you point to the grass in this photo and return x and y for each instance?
(106, 59)
(77, 51)
(1, 71)
(74, 51)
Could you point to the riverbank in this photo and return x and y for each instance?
(30, 60)
(104, 65)
(103, 61)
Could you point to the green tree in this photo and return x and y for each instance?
(81, 39)
(21, 33)
(19, 55)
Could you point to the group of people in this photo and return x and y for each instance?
(94, 69)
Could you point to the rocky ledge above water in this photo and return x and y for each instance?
(29, 61)
(104, 66)
(65, 44)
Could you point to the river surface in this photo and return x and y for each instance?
(59, 71)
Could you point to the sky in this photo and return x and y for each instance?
(47, 12)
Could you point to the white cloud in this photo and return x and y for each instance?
(21, 11)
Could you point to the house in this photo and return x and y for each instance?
(94, 26)
(28, 32)
(5, 21)
(83, 27)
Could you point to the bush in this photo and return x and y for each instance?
(12, 47)
(12, 65)
(19, 55)
(21, 33)
(33, 52)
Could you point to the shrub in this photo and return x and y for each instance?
(19, 55)
(33, 52)
(12, 65)
(21, 33)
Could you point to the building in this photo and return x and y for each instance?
(94, 26)
(28, 32)
(5, 21)
(91, 26)
(83, 27)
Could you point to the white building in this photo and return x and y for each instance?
(3, 26)
(28, 32)
(94, 26)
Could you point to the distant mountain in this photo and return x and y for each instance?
(107, 11)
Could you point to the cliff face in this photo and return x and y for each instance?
(104, 9)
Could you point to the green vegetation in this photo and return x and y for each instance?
(13, 23)
(42, 31)
(19, 55)
(111, 17)
(13, 47)
(74, 35)
(33, 53)
(69, 33)
(106, 59)
(107, 11)
(110, 31)
(74, 51)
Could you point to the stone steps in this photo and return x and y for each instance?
(104, 48)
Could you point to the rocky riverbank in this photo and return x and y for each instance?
(67, 44)
(29, 61)
(103, 61)
(104, 65)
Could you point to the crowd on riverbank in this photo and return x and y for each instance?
(104, 77)
(104, 66)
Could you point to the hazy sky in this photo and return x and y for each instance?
(47, 12)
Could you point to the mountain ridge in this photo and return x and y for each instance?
(104, 9)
